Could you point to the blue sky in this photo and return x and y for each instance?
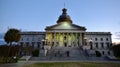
(35, 15)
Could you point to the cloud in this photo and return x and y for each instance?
(116, 37)
(1, 39)
(117, 34)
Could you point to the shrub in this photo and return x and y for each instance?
(98, 54)
(35, 53)
(7, 60)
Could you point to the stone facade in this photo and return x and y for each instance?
(68, 37)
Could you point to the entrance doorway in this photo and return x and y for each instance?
(65, 44)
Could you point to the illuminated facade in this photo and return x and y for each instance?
(65, 33)
(65, 36)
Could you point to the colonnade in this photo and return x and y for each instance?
(67, 39)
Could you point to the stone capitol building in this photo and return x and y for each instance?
(66, 39)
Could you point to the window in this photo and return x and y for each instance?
(102, 45)
(33, 43)
(21, 43)
(101, 39)
(69, 33)
(27, 43)
(65, 44)
(39, 39)
(27, 39)
(38, 44)
(33, 39)
(95, 39)
(103, 52)
(107, 45)
(65, 38)
(96, 45)
(108, 52)
(52, 44)
(91, 46)
(106, 39)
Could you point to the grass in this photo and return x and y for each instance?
(73, 64)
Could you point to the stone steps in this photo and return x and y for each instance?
(74, 53)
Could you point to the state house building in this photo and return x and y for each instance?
(67, 36)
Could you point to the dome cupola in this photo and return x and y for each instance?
(64, 17)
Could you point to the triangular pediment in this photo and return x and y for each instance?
(65, 26)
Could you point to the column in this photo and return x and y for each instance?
(72, 40)
(59, 38)
(63, 39)
(67, 39)
(50, 38)
(77, 39)
(81, 39)
(55, 38)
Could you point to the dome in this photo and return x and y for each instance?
(64, 17)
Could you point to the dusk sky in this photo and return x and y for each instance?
(35, 15)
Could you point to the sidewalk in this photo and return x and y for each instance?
(19, 64)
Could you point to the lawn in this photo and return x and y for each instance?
(73, 64)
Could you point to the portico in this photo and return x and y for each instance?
(65, 33)
(66, 39)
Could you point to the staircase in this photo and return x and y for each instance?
(60, 53)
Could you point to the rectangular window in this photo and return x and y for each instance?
(101, 39)
(95, 39)
(38, 44)
(21, 39)
(21, 43)
(27, 39)
(102, 45)
(96, 45)
(107, 45)
(106, 39)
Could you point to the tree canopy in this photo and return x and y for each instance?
(12, 35)
(116, 50)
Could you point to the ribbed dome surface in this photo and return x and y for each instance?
(64, 17)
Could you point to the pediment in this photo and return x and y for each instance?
(65, 26)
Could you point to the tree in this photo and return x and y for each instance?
(116, 50)
(98, 54)
(35, 53)
(12, 35)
